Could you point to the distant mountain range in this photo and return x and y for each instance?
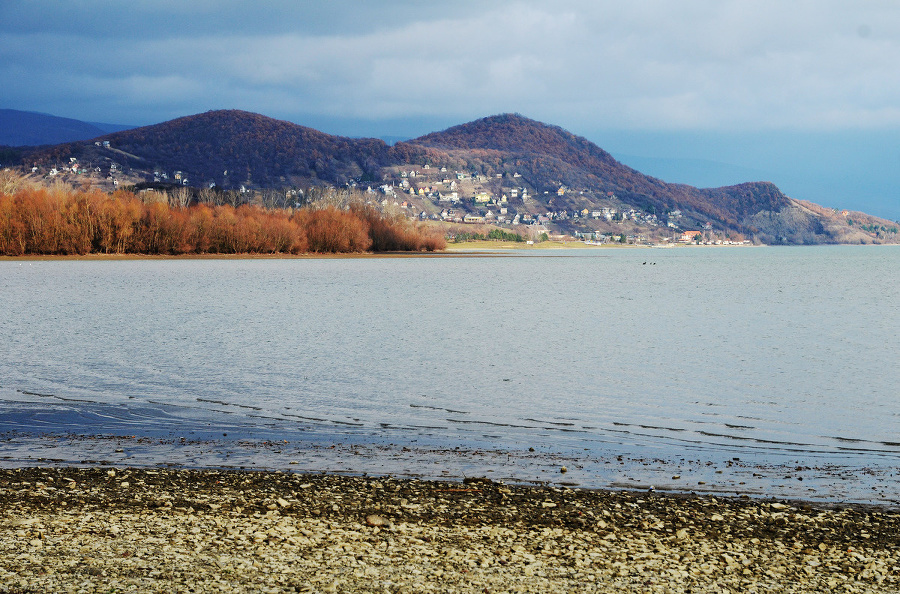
(28, 128)
(505, 163)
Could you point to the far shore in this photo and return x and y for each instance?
(541, 245)
(465, 248)
(474, 248)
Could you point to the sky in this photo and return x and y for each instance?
(802, 93)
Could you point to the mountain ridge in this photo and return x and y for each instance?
(547, 175)
(590, 164)
(30, 128)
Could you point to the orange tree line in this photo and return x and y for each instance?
(59, 220)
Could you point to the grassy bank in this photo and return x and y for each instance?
(517, 245)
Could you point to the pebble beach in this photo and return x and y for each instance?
(104, 529)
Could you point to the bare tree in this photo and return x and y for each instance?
(232, 197)
(180, 197)
(209, 196)
(12, 181)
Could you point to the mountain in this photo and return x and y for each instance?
(506, 165)
(549, 157)
(231, 148)
(27, 128)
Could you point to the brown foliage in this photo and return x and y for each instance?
(336, 231)
(38, 220)
(393, 234)
(45, 221)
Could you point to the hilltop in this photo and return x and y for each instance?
(231, 148)
(551, 159)
(505, 170)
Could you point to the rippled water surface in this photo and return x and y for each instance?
(786, 357)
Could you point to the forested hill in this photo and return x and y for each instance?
(229, 149)
(233, 147)
(516, 134)
(549, 157)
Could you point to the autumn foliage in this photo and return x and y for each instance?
(394, 234)
(58, 220)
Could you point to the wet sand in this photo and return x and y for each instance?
(828, 479)
(120, 529)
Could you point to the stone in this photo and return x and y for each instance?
(377, 521)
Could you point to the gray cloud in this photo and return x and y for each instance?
(646, 64)
(405, 66)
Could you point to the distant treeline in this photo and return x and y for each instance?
(492, 235)
(59, 221)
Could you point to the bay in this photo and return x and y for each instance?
(727, 367)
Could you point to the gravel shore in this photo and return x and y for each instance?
(128, 530)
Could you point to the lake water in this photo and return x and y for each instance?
(765, 371)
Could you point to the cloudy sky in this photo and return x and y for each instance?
(803, 93)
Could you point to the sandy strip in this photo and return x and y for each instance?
(117, 530)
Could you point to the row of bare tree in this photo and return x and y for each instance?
(59, 220)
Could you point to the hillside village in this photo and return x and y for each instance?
(424, 193)
(509, 201)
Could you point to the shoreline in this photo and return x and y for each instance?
(125, 529)
(822, 481)
(453, 250)
(465, 249)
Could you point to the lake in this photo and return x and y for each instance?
(760, 371)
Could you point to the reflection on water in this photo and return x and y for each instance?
(779, 357)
